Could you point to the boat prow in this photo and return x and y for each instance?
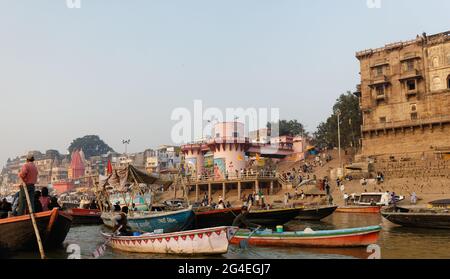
(418, 218)
(17, 233)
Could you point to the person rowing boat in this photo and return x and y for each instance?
(241, 220)
(121, 223)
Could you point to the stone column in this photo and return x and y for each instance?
(257, 186)
(223, 191)
(196, 192)
(209, 193)
(271, 187)
(239, 191)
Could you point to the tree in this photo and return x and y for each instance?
(326, 134)
(288, 128)
(92, 145)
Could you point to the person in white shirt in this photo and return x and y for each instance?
(346, 198)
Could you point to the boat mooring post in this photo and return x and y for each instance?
(33, 221)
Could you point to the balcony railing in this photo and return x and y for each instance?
(378, 80)
(232, 177)
(407, 123)
(411, 74)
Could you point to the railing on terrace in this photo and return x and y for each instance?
(407, 123)
(233, 177)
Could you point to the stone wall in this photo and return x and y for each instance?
(407, 143)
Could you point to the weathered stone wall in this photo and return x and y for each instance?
(396, 118)
(409, 143)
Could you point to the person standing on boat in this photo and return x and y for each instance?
(241, 220)
(121, 223)
(413, 198)
(28, 174)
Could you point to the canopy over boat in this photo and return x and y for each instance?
(122, 177)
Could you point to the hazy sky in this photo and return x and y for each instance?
(118, 68)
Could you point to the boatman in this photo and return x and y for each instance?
(241, 220)
(121, 223)
(28, 174)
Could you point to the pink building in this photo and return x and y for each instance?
(63, 186)
(76, 169)
(230, 148)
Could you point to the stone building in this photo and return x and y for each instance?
(405, 98)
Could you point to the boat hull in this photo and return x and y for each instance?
(220, 217)
(273, 217)
(316, 214)
(359, 209)
(17, 233)
(82, 216)
(329, 239)
(419, 220)
(211, 241)
(171, 221)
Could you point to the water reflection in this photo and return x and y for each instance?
(395, 242)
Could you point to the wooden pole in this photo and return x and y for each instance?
(33, 220)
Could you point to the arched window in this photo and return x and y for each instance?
(448, 82)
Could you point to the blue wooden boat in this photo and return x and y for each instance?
(168, 221)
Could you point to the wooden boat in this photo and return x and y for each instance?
(273, 217)
(168, 221)
(209, 241)
(17, 233)
(215, 217)
(83, 216)
(332, 238)
(444, 204)
(418, 217)
(315, 213)
(359, 209)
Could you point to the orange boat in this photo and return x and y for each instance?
(359, 209)
(17, 233)
(332, 238)
(83, 216)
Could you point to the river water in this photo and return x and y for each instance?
(395, 242)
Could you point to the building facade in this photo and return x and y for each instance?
(405, 98)
(230, 151)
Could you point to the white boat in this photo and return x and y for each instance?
(371, 199)
(211, 241)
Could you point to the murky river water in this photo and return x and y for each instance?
(395, 242)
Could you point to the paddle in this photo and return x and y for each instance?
(243, 244)
(33, 220)
(100, 250)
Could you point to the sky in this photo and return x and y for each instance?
(118, 69)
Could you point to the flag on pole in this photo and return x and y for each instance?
(109, 168)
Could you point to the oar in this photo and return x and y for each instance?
(100, 250)
(33, 220)
(243, 244)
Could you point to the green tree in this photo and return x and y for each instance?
(288, 128)
(92, 145)
(350, 120)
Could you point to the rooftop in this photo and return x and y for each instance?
(424, 39)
